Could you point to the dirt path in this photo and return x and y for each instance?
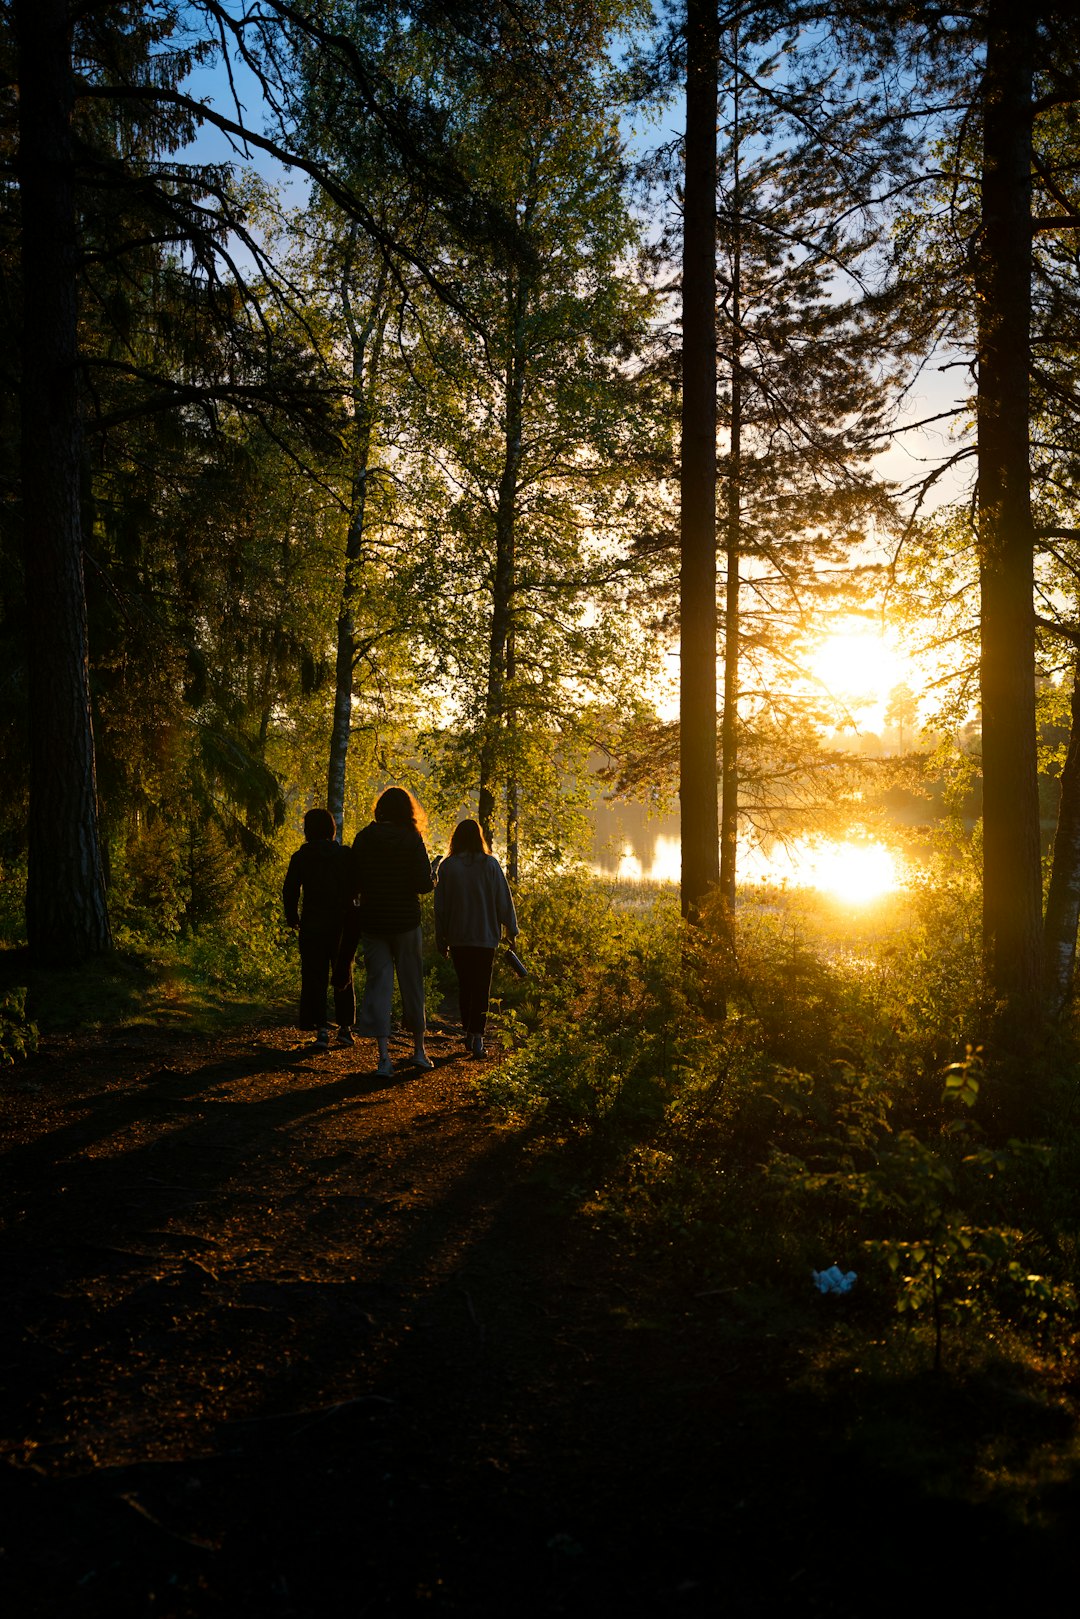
(283, 1338)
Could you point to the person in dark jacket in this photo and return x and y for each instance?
(392, 869)
(473, 909)
(322, 872)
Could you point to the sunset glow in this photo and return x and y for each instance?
(855, 872)
(859, 668)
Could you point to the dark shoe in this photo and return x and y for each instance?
(476, 1045)
(322, 1039)
(345, 1036)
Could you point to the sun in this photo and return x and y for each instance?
(858, 668)
(854, 873)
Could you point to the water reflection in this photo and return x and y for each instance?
(636, 847)
(854, 871)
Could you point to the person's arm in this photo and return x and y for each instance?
(504, 905)
(442, 910)
(355, 880)
(290, 892)
(425, 882)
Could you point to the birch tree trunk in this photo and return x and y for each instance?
(505, 570)
(365, 342)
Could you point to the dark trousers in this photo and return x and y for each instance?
(322, 959)
(473, 963)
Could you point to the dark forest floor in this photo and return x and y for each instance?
(282, 1338)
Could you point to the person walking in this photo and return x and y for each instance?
(473, 907)
(321, 871)
(391, 869)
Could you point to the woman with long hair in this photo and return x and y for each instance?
(392, 869)
(473, 907)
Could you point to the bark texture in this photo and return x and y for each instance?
(1012, 920)
(504, 575)
(1063, 894)
(365, 340)
(729, 731)
(66, 913)
(697, 583)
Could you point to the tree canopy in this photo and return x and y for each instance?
(398, 473)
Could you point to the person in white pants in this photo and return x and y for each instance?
(392, 869)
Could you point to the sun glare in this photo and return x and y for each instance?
(859, 668)
(666, 864)
(854, 872)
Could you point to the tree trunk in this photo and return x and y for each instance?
(729, 731)
(1011, 872)
(366, 342)
(513, 792)
(697, 579)
(66, 912)
(1063, 894)
(513, 835)
(504, 577)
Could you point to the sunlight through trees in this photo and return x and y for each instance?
(426, 468)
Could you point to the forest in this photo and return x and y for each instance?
(588, 415)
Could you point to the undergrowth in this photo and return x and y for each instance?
(778, 1098)
(766, 1100)
(744, 1107)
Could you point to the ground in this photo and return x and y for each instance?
(284, 1338)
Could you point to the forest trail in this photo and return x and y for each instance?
(284, 1338)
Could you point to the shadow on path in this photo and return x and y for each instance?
(283, 1338)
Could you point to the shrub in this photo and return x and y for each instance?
(18, 1036)
(149, 886)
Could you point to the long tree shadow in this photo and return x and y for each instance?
(340, 1348)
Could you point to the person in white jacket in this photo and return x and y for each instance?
(473, 908)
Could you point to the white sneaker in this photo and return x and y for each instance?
(385, 1069)
(423, 1061)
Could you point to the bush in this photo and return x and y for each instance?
(18, 1036)
(777, 1106)
(252, 949)
(149, 886)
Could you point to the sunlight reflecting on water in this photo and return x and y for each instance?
(666, 865)
(853, 871)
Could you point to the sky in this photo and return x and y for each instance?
(211, 84)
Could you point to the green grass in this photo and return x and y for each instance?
(149, 986)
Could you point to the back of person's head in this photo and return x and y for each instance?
(398, 806)
(319, 826)
(468, 838)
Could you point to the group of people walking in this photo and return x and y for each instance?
(368, 897)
